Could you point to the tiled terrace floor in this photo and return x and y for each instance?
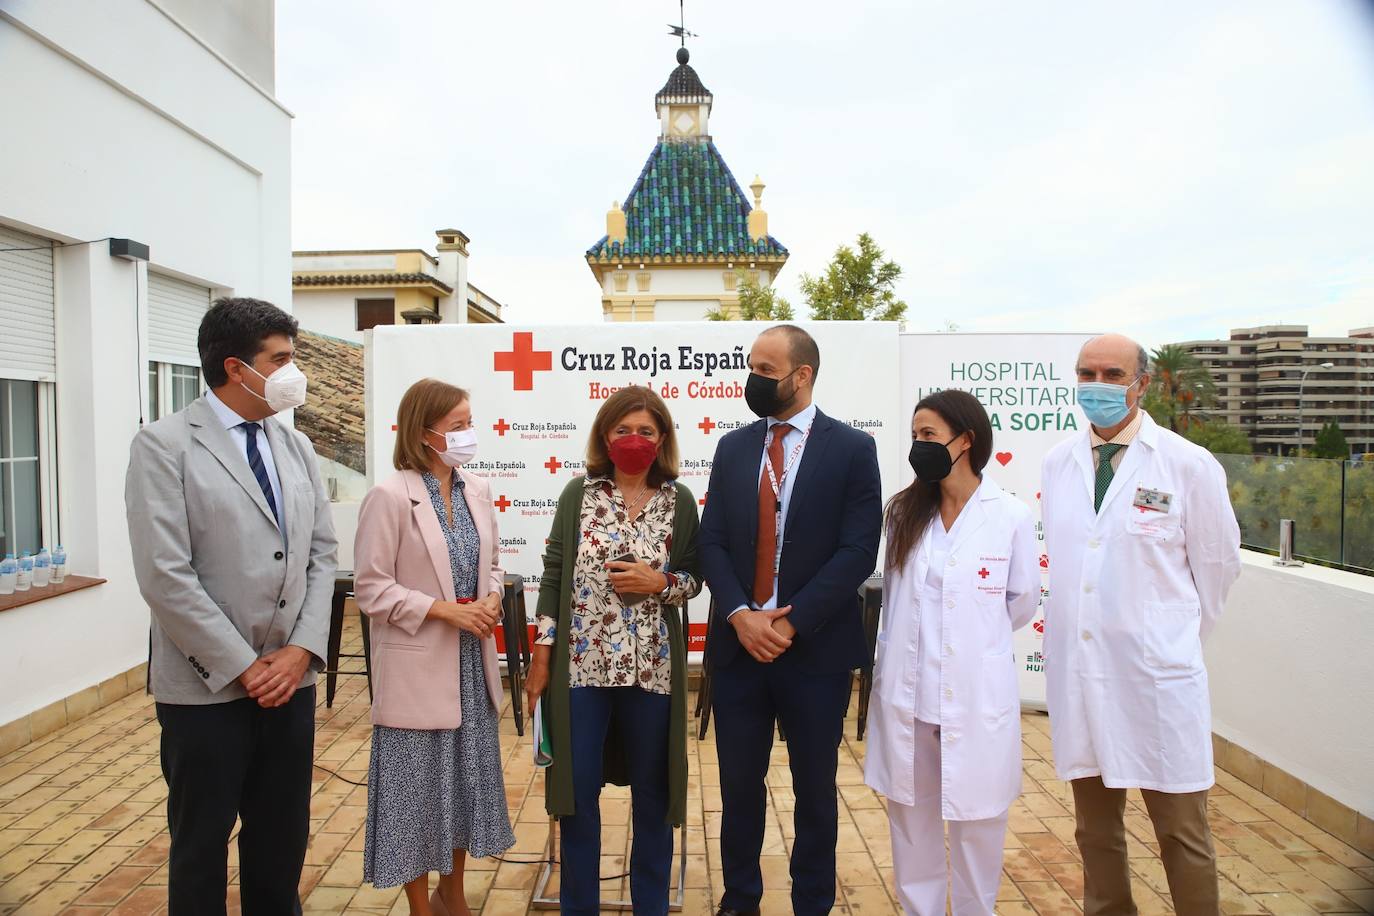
(82, 831)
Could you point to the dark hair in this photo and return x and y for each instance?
(911, 510)
(237, 328)
(801, 348)
(617, 407)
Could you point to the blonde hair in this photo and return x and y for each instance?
(615, 408)
(424, 404)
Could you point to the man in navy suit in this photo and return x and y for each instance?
(789, 534)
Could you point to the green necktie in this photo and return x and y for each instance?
(1105, 473)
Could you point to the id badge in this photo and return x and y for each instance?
(1152, 500)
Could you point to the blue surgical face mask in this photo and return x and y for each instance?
(1103, 403)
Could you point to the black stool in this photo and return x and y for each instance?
(871, 605)
(515, 628)
(343, 590)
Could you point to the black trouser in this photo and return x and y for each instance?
(230, 760)
(748, 698)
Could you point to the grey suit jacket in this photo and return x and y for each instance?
(222, 586)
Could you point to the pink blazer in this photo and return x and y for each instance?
(402, 566)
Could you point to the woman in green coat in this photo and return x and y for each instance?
(610, 655)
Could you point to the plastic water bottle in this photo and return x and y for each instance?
(59, 564)
(25, 578)
(9, 571)
(42, 568)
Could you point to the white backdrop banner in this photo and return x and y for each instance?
(535, 392)
(1028, 385)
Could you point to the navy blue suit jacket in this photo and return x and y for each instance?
(830, 541)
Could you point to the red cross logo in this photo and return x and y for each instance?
(522, 360)
(1141, 509)
(502, 504)
(983, 573)
(706, 426)
(553, 464)
(501, 427)
(702, 501)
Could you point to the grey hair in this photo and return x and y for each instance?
(1142, 360)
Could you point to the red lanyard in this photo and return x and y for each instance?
(777, 482)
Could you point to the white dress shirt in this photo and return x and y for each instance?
(231, 421)
(928, 638)
(796, 436)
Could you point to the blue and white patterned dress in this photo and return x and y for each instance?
(431, 791)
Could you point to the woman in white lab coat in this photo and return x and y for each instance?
(961, 574)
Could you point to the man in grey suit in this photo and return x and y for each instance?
(234, 551)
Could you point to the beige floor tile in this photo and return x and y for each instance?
(1048, 898)
(29, 882)
(1330, 871)
(1312, 891)
(84, 811)
(1285, 904)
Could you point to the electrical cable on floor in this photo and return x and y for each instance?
(542, 861)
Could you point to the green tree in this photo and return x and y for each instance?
(756, 303)
(1218, 437)
(1331, 442)
(1181, 388)
(856, 286)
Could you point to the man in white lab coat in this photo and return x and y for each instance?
(1142, 547)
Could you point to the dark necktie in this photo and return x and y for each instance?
(1105, 472)
(260, 469)
(766, 548)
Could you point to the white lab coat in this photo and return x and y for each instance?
(980, 708)
(1133, 594)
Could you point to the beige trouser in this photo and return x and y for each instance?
(1185, 846)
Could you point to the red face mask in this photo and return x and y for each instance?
(633, 454)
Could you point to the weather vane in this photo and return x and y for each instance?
(679, 31)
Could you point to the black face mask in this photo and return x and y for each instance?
(931, 461)
(761, 394)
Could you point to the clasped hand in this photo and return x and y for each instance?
(764, 634)
(637, 578)
(479, 617)
(273, 678)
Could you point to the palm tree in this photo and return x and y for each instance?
(1181, 389)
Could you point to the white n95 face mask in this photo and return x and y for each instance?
(284, 389)
(461, 446)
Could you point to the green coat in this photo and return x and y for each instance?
(555, 596)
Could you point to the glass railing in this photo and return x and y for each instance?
(1331, 503)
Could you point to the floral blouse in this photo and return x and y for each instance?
(611, 644)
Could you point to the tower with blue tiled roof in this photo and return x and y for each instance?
(678, 245)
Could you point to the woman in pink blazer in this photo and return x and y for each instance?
(428, 577)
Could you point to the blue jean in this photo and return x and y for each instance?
(642, 720)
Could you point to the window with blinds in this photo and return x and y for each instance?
(28, 348)
(175, 308)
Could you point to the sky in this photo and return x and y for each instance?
(1170, 170)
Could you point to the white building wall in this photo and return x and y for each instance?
(1291, 677)
(131, 128)
(683, 309)
(693, 281)
(333, 311)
